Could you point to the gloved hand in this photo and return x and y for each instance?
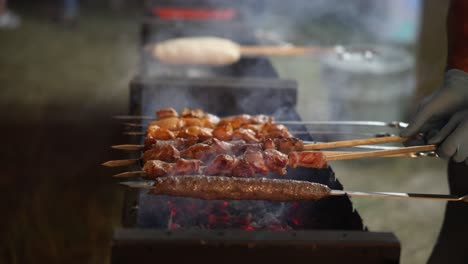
(443, 117)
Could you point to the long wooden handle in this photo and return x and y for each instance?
(381, 153)
(354, 142)
(281, 51)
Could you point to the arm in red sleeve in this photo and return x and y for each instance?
(457, 33)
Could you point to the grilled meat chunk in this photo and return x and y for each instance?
(166, 113)
(307, 159)
(167, 153)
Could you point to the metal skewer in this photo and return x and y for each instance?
(417, 196)
(392, 124)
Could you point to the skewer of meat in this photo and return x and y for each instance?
(252, 162)
(224, 188)
(207, 150)
(317, 159)
(226, 132)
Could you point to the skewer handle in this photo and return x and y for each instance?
(128, 147)
(420, 196)
(134, 133)
(119, 163)
(355, 142)
(133, 117)
(381, 153)
(130, 174)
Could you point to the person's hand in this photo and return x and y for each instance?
(443, 117)
(453, 138)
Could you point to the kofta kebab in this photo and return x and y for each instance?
(196, 142)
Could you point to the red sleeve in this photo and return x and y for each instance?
(457, 35)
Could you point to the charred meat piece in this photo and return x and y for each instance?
(243, 169)
(225, 188)
(166, 113)
(187, 167)
(166, 153)
(221, 165)
(220, 147)
(286, 145)
(239, 149)
(308, 159)
(256, 161)
(158, 168)
(269, 144)
(276, 161)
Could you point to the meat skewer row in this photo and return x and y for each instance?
(205, 151)
(249, 133)
(225, 188)
(314, 159)
(247, 165)
(169, 119)
(171, 112)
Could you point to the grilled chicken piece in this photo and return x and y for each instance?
(223, 132)
(158, 133)
(198, 151)
(308, 159)
(241, 120)
(286, 145)
(221, 165)
(189, 112)
(166, 113)
(243, 169)
(256, 161)
(158, 168)
(275, 161)
(203, 133)
(178, 143)
(170, 123)
(187, 167)
(245, 134)
(166, 153)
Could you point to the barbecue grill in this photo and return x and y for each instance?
(252, 228)
(186, 229)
